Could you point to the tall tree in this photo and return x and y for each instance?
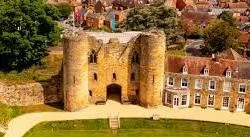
(152, 17)
(217, 40)
(25, 34)
(227, 16)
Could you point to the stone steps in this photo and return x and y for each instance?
(114, 122)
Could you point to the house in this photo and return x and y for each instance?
(115, 15)
(240, 7)
(207, 82)
(102, 5)
(95, 20)
(126, 4)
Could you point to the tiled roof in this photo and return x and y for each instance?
(237, 5)
(232, 55)
(244, 37)
(180, 4)
(196, 65)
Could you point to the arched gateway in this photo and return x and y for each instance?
(114, 92)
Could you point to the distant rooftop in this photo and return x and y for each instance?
(124, 37)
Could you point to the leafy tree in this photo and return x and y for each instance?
(64, 9)
(151, 17)
(227, 16)
(52, 11)
(217, 40)
(26, 33)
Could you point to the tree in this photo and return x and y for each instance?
(227, 16)
(26, 33)
(64, 9)
(151, 17)
(217, 40)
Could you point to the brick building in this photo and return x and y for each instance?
(207, 82)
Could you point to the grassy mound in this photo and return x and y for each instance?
(51, 66)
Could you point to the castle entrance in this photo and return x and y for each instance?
(114, 92)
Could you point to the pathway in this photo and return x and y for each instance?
(20, 125)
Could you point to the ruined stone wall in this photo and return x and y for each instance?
(75, 71)
(218, 93)
(32, 93)
(152, 68)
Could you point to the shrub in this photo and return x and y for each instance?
(217, 108)
(203, 106)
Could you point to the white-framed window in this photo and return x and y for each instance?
(206, 71)
(228, 74)
(185, 70)
(198, 84)
(184, 100)
(227, 86)
(210, 101)
(197, 99)
(225, 102)
(184, 83)
(212, 85)
(170, 81)
(242, 88)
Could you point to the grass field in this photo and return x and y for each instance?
(9, 112)
(137, 128)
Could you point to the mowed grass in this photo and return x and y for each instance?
(9, 112)
(137, 128)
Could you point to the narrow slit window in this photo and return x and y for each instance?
(114, 76)
(90, 93)
(132, 76)
(95, 77)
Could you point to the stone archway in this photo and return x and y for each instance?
(114, 92)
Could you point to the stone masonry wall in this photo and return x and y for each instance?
(31, 93)
(75, 71)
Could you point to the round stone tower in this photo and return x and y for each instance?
(152, 68)
(75, 71)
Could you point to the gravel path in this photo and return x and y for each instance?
(20, 125)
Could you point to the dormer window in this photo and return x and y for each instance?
(185, 70)
(206, 71)
(228, 74)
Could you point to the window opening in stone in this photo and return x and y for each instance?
(90, 93)
(93, 57)
(95, 76)
(114, 76)
(132, 76)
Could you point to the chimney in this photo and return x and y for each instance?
(215, 57)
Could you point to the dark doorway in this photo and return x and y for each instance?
(114, 92)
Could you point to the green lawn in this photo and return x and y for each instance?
(9, 112)
(137, 128)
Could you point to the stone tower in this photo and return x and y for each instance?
(152, 68)
(75, 71)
